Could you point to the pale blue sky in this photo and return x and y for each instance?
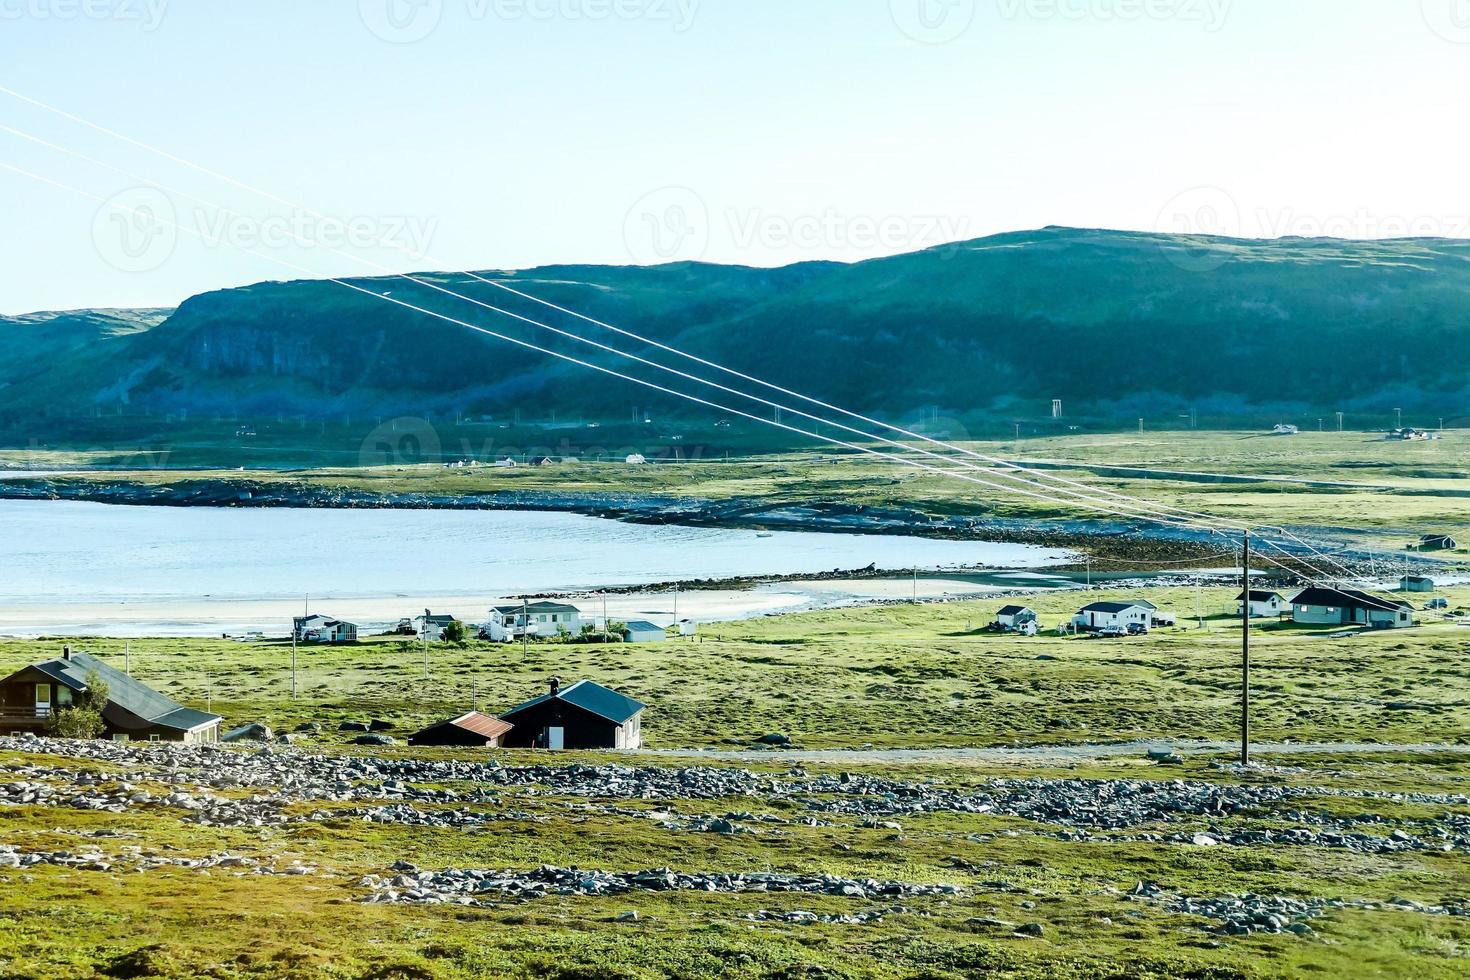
(523, 132)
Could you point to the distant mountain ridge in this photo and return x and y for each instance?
(1110, 322)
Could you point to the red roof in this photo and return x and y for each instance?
(482, 725)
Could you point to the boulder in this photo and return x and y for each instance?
(375, 740)
(379, 725)
(248, 733)
(775, 738)
(352, 726)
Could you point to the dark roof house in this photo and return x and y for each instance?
(470, 729)
(583, 716)
(1347, 607)
(134, 710)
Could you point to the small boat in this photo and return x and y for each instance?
(765, 534)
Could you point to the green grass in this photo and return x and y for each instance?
(901, 675)
(905, 675)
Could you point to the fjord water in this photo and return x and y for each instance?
(64, 552)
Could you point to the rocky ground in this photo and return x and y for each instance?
(279, 787)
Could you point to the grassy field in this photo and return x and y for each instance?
(925, 675)
(1395, 490)
(889, 676)
(915, 676)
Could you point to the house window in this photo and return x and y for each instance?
(63, 696)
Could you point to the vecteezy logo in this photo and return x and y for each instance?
(401, 21)
(667, 225)
(136, 230)
(407, 441)
(1199, 212)
(1450, 19)
(933, 21)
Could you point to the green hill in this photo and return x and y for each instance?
(1116, 324)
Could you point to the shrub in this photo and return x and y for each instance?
(83, 718)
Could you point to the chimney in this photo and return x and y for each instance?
(555, 686)
(66, 653)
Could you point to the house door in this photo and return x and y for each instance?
(43, 700)
(556, 738)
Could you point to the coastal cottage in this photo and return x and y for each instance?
(469, 730)
(642, 631)
(1101, 615)
(1437, 542)
(431, 626)
(134, 711)
(1348, 607)
(1015, 617)
(323, 629)
(1263, 604)
(510, 621)
(1416, 583)
(583, 716)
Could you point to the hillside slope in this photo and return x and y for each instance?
(1108, 321)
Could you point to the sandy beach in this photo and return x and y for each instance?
(375, 614)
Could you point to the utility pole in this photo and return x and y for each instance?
(474, 696)
(426, 643)
(128, 659)
(916, 586)
(1245, 655)
(1398, 415)
(676, 602)
(525, 628)
(1339, 421)
(1140, 426)
(604, 619)
(293, 665)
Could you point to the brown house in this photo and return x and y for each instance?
(583, 716)
(134, 711)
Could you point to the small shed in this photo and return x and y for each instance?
(1015, 617)
(1438, 542)
(642, 631)
(583, 716)
(1416, 583)
(470, 730)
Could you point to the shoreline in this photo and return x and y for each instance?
(1135, 541)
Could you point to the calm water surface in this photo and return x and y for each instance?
(64, 551)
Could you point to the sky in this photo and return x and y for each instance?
(398, 135)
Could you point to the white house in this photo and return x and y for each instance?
(637, 459)
(1101, 615)
(688, 627)
(642, 631)
(1015, 617)
(431, 626)
(323, 629)
(510, 621)
(1263, 604)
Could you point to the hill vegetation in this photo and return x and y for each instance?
(1117, 324)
